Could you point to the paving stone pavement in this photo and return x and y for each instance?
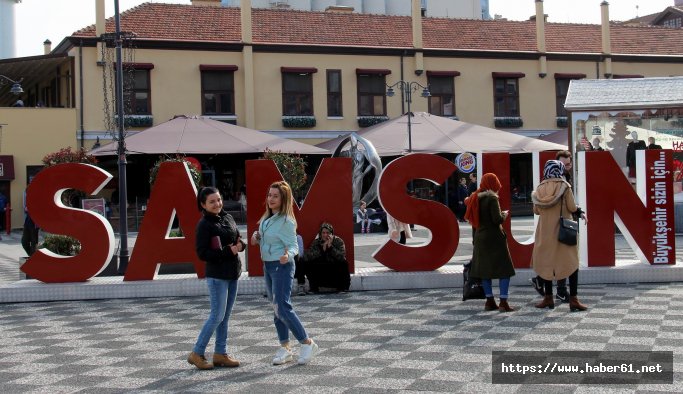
(409, 341)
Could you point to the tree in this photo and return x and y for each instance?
(292, 167)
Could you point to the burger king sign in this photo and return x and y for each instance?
(466, 162)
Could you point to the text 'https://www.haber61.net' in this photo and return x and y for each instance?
(579, 367)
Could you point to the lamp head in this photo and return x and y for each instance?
(390, 92)
(426, 93)
(16, 89)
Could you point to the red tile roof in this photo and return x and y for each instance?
(288, 27)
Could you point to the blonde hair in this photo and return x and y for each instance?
(287, 200)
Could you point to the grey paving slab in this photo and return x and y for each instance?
(385, 341)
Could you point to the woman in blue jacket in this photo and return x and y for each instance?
(276, 236)
(217, 243)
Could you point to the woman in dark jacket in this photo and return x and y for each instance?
(217, 243)
(325, 261)
(491, 256)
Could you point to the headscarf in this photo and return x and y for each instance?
(488, 182)
(553, 169)
(325, 226)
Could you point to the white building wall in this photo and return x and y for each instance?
(8, 48)
(374, 7)
(470, 9)
(356, 4)
(399, 7)
(321, 5)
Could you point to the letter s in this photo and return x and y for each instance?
(437, 217)
(44, 201)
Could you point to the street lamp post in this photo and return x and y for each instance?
(121, 147)
(408, 88)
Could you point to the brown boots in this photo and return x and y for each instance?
(490, 304)
(199, 361)
(575, 305)
(547, 302)
(503, 306)
(223, 360)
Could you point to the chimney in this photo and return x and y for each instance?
(99, 18)
(417, 36)
(47, 47)
(99, 28)
(606, 44)
(245, 19)
(206, 3)
(540, 39)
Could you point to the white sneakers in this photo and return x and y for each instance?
(285, 355)
(307, 352)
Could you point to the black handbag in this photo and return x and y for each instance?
(569, 229)
(471, 287)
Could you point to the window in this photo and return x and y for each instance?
(297, 94)
(506, 97)
(334, 93)
(561, 87)
(137, 94)
(372, 95)
(442, 100)
(218, 93)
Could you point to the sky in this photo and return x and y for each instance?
(38, 20)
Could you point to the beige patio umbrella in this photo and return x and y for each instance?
(436, 134)
(199, 135)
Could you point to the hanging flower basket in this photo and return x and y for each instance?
(367, 121)
(507, 122)
(137, 120)
(298, 122)
(196, 175)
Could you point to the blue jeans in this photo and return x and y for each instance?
(503, 283)
(222, 295)
(279, 289)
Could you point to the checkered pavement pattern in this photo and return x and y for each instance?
(408, 340)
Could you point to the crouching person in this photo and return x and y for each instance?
(325, 261)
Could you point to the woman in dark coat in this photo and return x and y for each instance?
(217, 243)
(325, 261)
(491, 257)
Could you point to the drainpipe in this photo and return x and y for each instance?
(540, 39)
(248, 62)
(606, 44)
(80, 90)
(403, 93)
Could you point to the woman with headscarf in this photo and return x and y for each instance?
(325, 261)
(551, 259)
(491, 256)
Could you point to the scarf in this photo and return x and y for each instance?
(553, 169)
(488, 182)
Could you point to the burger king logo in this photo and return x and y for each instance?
(466, 162)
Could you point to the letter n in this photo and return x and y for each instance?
(173, 194)
(609, 197)
(329, 199)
